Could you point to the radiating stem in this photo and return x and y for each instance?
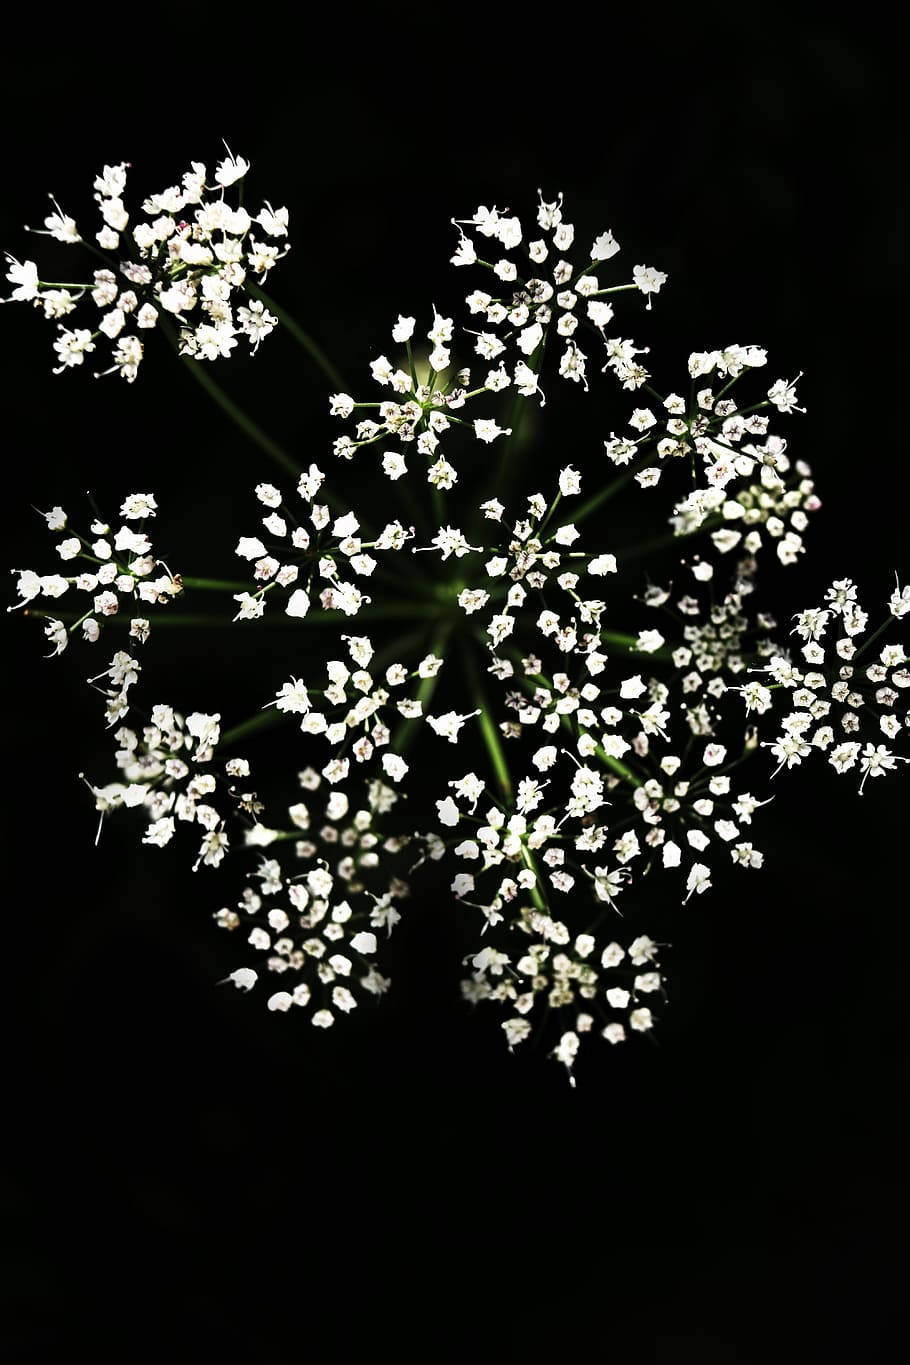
(263, 720)
(645, 547)
(408, 732)
(493, 742)
(214, 584)
(873, 637)
(629, 645)
(488, 730)
(270, 716)
(239, 417)
(608, 491)
(529, 682)
(313, 350)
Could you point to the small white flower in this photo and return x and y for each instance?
(24, 275)
(487, 430)
(298, 603)
(648, 280)
(403, 329)
(231, 169)
(449, 725)
(698, 880)
(250, 547)
(605, 246)
(244, 978)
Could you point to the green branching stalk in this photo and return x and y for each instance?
(494, 747)
(239, 417)
(303, 338)
(213, 584)
(263, 720)
(530, 682)
(407, 733)
(488, 730)
(608, 491)
(269, 716)
(628, 644)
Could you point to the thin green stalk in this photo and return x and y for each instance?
(645, 547)
(263, 720)
(270, 716)
(493, 742)
(539, 898)
(629, 645)
(246, 424)
(408, 732)
(313, 350)
(488, 730)
(873, 637)
(529, 683)
(214, 584)
(608, 491)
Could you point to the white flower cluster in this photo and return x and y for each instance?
(597, 749)
(749, 481)
(529, 553)
(320, 920)
(432, 394)
(843, 706)
(605, 990)
(356, 709)
(187, 255)
(332, 548)
(167, 771)
(551, 295)
(614, 770)
(117, 571)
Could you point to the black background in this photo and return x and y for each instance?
(188, 1171)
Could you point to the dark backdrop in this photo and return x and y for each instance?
(186, 1170)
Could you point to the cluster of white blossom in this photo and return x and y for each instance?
(528, 553)
(307, 557)
(355, 710)
(749, 481)
(845, 706)
(549, 294)
(319, 920)
(432, 392)
(168, 770)
(613, 773)
(597, 748)
(117, 572)
(188, 254)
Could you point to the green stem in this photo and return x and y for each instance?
(529, 683)
(608, 491)
(645, 547)
(270, 716)
(263, 720)
(873, 637)
(539, 898)
(214, 584)
(628, 645)
(246, 424)
(488, 730)
(314, 351)
(408, 732)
